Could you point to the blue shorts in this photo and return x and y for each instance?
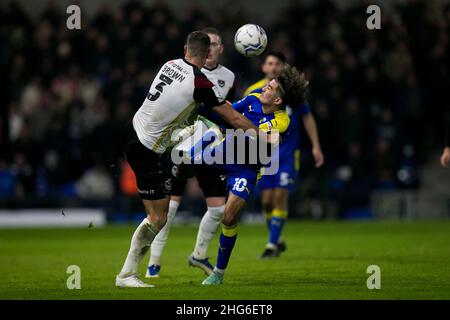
(242, 182)
(285, 177)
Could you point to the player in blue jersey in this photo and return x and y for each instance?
(266, 111)
(275, 188)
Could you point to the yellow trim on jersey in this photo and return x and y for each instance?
(280, 122)
(260, 174)
(257, 85)
(255, 94)
(229, 231)
(297, 159)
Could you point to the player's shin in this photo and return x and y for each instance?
(276, 226)
(226, 245)
(140, 243)
(268, 216)
(160, 240)
(207, 230)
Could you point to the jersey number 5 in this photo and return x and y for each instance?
(165, 80)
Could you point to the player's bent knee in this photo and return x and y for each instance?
(215, 201)
(157, 211)
(175, 198)
(159, 221)
(216, 213)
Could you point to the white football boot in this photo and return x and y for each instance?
(131, 282)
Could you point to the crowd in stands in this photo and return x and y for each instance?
(378, 95)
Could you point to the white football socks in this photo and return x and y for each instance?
(207, 230)
(161, 239)
(140, 243)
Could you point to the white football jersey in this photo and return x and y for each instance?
(223, 79)
(172, 101)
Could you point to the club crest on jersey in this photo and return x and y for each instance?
(221, 83)
(175, 171)
(168, 185)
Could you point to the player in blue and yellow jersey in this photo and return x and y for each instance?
(266, 111)
(275, 188)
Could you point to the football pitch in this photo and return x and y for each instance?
(324, 260)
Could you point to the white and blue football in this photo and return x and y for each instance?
(250, 40)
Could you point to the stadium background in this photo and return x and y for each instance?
(379, 98)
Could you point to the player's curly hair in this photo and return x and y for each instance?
(292, 85)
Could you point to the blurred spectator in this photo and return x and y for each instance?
(95, 183)
(8, 180)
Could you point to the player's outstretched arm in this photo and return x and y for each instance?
(239, 121)
(311, 129)
(234, 118)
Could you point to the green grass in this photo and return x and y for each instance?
(325, 260)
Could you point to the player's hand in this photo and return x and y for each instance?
(318, 157)
(445, 158)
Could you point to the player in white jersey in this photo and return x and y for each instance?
(177, 90)
(211, 179)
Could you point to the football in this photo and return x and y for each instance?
(250, 40)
